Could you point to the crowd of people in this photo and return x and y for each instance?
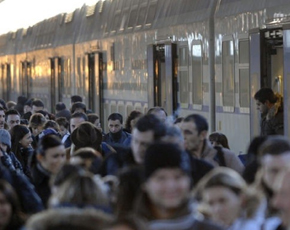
(61, 171)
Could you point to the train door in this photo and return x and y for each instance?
(5, 81)
(266, 67)
(162, 76)
(57, 75)
(26, 79)
(95, 83)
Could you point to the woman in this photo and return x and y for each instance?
(10, 215)
(21, 139)
(229, 200)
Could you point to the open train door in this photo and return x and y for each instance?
(255, 73)
(162, 76)
(95, 83)
(57, 80)
(286, 79)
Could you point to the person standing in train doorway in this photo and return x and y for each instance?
(270, 105)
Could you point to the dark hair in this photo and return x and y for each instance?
(78, 105)
(3, 104)
(265, 94)
(60, 106)
(200, 122)
(156, 109)
(134, 114)
(274, 145)
(11, 112)
(92, 117)
(220, 139)
(36, 120)
(51, 124)
(151, 123)
(79, 115)
(116, 116)
(38, 103)
(76, 98)
(10, 104)
(21, 100)
(62, 121)
(47, 142)
(16, 220)
(17, 133)
(29, 102)
(178, 120)
(130, 221)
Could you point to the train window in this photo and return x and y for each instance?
(141, 16)
(244, 88)
(244, 52)
(197, 73)
(124, 20)
(183, 75)
(116, 25)
(228, 84)
(132, 18)
(150, 14)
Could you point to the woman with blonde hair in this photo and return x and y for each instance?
(229, 200)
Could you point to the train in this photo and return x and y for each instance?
(187, 56)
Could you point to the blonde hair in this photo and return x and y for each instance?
(228, 178)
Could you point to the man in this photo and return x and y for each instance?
(165, 200)
(62, 111)
(2, 118)
(12, 118)
(76, 119)
(37, 105)
(116, 133)
(271, 107)
(158, 112)
(147, 130)
(195, 129)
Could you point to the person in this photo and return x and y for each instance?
(21, 140)
(147, 130)
(76, 119)
(229, 200)
(12, 118)
(10, 105)
(62, 111)
(69, 219)
(271, 107)
(27, 109)
(195, 128)
(128, 222)
(94, 119)
(36, 124)
(131, 120)
(165, 202)
(78, 107)
(219, 139)
(159, 112)
(75, 98)
(116, 134)
(11, 216)
(2, 118)
(3, 104)
(64, 131)
(20, 104)
(50, 157)
(37, 105)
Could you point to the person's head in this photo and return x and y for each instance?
(265, 98)
(36, 123)
(87, 158)
(86, 135)
(76, 119)
(76, 98)
(60, 106)
(21, 100)
(10, 104)
(194, 128)
(63, 125)
(147, 130)
(227, 196)
(20, 138)
(219, 139)
(178, 121)
(69, 219)
(253, 148)
(80, 191)
(51, 124)
(37, 105)
(132, 119)
(5, 140)
(115, 122)
(2, 118)
(127, 223)
(281, 199)
(167, 173)
(51, 153)
(94, 119)
(275, 158)
(12, 118)
(78, 107)
(174, 135)
(28, 105)
(10, 215)
(3, 104)
(159, 112)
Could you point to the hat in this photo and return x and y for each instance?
(5, 137)
(48, 131)
(86, 135)
(165, 155)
